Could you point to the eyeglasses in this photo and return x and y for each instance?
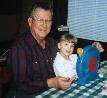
(41, 20)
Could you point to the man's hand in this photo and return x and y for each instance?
(98, 46)
(59, 82)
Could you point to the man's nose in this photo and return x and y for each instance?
(44, 23)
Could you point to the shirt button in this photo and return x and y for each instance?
(50, 70)
(36, 62)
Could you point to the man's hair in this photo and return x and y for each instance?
(42, 5)
(66, 37)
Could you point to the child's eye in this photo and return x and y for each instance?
(72, 45)
(66, 44)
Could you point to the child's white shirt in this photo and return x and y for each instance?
(65, 68)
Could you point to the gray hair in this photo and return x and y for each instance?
(43, 5)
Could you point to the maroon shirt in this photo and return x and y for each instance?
(30, 66)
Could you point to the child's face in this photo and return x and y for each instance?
(66, 48)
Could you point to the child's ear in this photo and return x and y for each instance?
(58, 45)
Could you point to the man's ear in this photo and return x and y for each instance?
(58, 45)
(30, 21)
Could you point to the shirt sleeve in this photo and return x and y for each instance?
(55, 65)
(58, 66)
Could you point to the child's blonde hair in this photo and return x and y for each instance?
(68, 38)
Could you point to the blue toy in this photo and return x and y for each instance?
(87, 64)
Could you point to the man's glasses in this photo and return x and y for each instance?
(41, 20)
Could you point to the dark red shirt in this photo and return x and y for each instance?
(30, 65)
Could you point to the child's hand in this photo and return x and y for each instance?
(70, 79)
(73, 79)
(67, 79)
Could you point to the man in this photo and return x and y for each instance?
(30, 59)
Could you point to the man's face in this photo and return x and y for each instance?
(40, 24)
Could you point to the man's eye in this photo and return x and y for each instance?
(40, 20)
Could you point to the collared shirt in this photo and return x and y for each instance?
(30, 65)
(64, 67)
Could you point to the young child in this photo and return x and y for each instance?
(65, 61)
